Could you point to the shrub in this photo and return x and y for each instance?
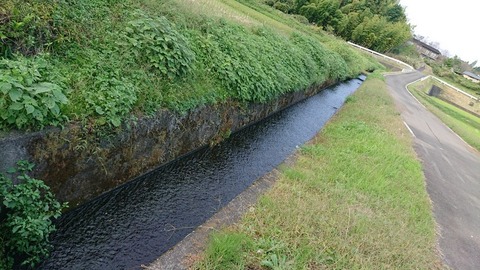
(331, 64)
(110, 99)
(25, 217)
(282, 7)
(103, 93)
(27, 99)
(155, 42)
(301, 19)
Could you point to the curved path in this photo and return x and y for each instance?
(452, 171)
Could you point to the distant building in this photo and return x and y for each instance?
(471, 76)
(426, 50)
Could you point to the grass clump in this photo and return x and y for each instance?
(26, 210)
(226, 251)
(354, 199)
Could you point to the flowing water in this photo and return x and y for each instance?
(139, 221)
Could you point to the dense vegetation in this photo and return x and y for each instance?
(26, 210)
(101, 62)
(379, 25)
(450, 69)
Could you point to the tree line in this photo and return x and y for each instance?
(380, 25)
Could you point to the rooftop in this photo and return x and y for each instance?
(426, 46)
(472, 75)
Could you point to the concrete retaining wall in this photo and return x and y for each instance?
(79, 165)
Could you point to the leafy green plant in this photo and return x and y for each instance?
(109, 99)
(276, 262)
(155, 42)
(25, 216)
(26, 98)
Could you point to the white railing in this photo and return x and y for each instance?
(454, 88)
(381, 55)
(411, 68)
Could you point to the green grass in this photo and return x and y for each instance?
(465, 124)
(354, 199)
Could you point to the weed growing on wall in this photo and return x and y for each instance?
(25, 217)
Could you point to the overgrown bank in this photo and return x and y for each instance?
(355, 199)
(100, 62)
(104, 68)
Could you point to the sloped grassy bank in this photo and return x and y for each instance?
(112, 72)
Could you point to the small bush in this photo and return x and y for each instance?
(282, 7)
(155, 42)
(103, 94)
(330, 64)
(27, 99)
(25, 217)
(112, 99)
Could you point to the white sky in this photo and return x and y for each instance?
(451, 23)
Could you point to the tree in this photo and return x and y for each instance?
(376, 24)
(396, 13)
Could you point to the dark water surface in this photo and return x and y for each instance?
(137, 222)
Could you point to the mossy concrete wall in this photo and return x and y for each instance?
(78, 164)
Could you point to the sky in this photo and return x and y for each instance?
(451, 23)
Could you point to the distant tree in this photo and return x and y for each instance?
(379, 34)
(396, 13)
(299, 4)
(377, 24)
(325, 13)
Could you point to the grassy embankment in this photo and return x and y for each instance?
(102, 62)
(466, 125)
(354, 199)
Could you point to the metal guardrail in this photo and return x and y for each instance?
(455, 88)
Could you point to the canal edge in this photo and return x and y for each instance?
(184, 253)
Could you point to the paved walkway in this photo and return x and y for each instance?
(452, 171)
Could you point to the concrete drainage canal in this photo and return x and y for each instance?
(139, 221)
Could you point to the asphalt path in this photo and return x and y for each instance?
(452, 172)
